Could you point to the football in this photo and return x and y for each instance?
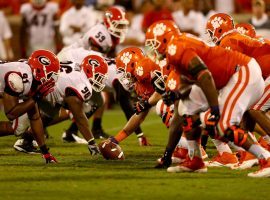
(111, 151)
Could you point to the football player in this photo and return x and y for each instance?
(38, 30)
(237, 91)
(31, 82)
(226, 35)
(72, 90)
(103, 38)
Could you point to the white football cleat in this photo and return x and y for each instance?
(73, 138)
(264, 169)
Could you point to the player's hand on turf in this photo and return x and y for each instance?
(141, 106)
(170, 97)
(43, 90)
(93, 149)
(49, 158)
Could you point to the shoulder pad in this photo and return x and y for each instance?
(14, 83)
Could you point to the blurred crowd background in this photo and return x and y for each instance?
(58, 23)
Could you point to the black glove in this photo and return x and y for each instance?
(170, 97)
(159, 85)
(212, 121)
(141, 106)
(166, 159)
(43, 90)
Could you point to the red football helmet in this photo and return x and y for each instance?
(219, 25)
(116, 22)
(246, 29)
(44, 65)
(126, 61)
(158, 35)
(96, 69)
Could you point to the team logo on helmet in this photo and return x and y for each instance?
(172, 49)
(172, 84)
(44, 60)
(139, 71)
(126, 57)
(93, 62)
(241, 30)
(159, 29)
(216, 22)
(161, 63)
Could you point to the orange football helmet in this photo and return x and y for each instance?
(116, 22)
(246, 29)
(126, 61)
(95, 69)
(219, 25)
(158, 35)
(44, 65)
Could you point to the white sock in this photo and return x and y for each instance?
(253, 137)
(183, 143)
(259, 151)
(221, 146)
(194, 149)
(235, 147)
(266, 138)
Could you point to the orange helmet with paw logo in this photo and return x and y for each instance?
(158, 35)
(246, 29)
(126, 61)
(219, 25)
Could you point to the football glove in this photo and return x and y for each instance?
(170, 97)
(93, 149)
(141, 106)
(43, 90)
(166, 117)
(49, 158)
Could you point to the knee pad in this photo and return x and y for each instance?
(236, 135)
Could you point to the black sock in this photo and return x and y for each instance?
(73, 128)
(204, 140)
(44, 149)
(96, 124)
(28, 137)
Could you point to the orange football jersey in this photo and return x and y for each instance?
(222, 63)
(251, 47)
(144, 90)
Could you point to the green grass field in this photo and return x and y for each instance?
(80, 176)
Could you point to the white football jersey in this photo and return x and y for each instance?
(17, 76)
(41, 23)
(78, 54)
(99, 34)
(71, 77)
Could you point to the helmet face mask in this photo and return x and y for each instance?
(98, 81)
(159, 80)
(38, 3)
(126, 79)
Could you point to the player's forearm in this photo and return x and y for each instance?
(19, 109)
(155, 97)
(134, 122)
(83, 126)
(206, 82)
